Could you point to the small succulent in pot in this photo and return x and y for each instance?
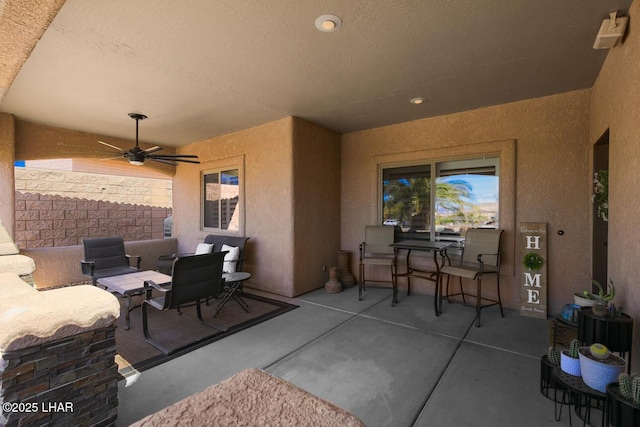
(599, 351)
(599, 367)
(553, 356)
(601, 298)
(630, 387)
(569, 359)
(573, 348)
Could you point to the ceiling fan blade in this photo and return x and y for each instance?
(153, 149)
(113, 158)
(168, 162)
(168, 156)
(112, 146)
(173, 159)
(59, 144)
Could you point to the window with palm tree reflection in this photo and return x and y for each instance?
(440, 200)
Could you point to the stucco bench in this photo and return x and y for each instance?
(58, 346)
(29, 317)
(10, 259)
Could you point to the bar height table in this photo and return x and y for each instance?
(413, 272)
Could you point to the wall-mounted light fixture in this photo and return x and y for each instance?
(611, 31)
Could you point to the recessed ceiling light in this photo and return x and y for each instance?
(328, 23)
(417, 100)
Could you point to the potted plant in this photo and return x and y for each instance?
(547, 381)
(532, 261)
(601, 299)
(599, 366)
(569, 359)
(623, 401)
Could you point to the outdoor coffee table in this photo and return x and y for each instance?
(132, 284)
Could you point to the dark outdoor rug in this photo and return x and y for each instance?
(184, 332)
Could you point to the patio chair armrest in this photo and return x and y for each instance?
(362, 247)
(88, 266)
(138, 260)
(150, 285)
(497, 254)
(481, 255)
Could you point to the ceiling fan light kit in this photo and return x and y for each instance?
(137, 156)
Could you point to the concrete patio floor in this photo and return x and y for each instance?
(389, 366)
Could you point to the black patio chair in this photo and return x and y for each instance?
(105, 257)
(194, 278)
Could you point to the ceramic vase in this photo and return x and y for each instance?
(599, 308)
(582, 301)
(333, 285)
(344, 275)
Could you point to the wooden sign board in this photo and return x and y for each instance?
(532, 247)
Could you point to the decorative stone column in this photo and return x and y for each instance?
(57, 352)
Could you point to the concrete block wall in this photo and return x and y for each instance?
(56, 207)
(44, 220)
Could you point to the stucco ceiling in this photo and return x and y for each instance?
(202, 68)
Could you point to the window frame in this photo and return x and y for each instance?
(435, 167)
(240, 206)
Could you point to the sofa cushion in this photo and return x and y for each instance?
(230, 259)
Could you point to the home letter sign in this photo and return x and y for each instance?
(533, 267)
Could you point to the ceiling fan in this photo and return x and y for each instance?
(137, 156)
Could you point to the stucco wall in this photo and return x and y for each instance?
(291, 201)
(266, 153)
(7, 174)
(615, 105)
(316, 183)
(551, 182)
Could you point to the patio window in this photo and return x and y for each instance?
(221, 199)
(440, 200)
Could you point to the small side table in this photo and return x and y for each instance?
(233, 287)
(549, 387)
(582, 395)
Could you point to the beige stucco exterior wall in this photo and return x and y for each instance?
(316, 192)
(291, 201)
(7, 174)
(615, 106)
(550, 183)
(265, 153)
